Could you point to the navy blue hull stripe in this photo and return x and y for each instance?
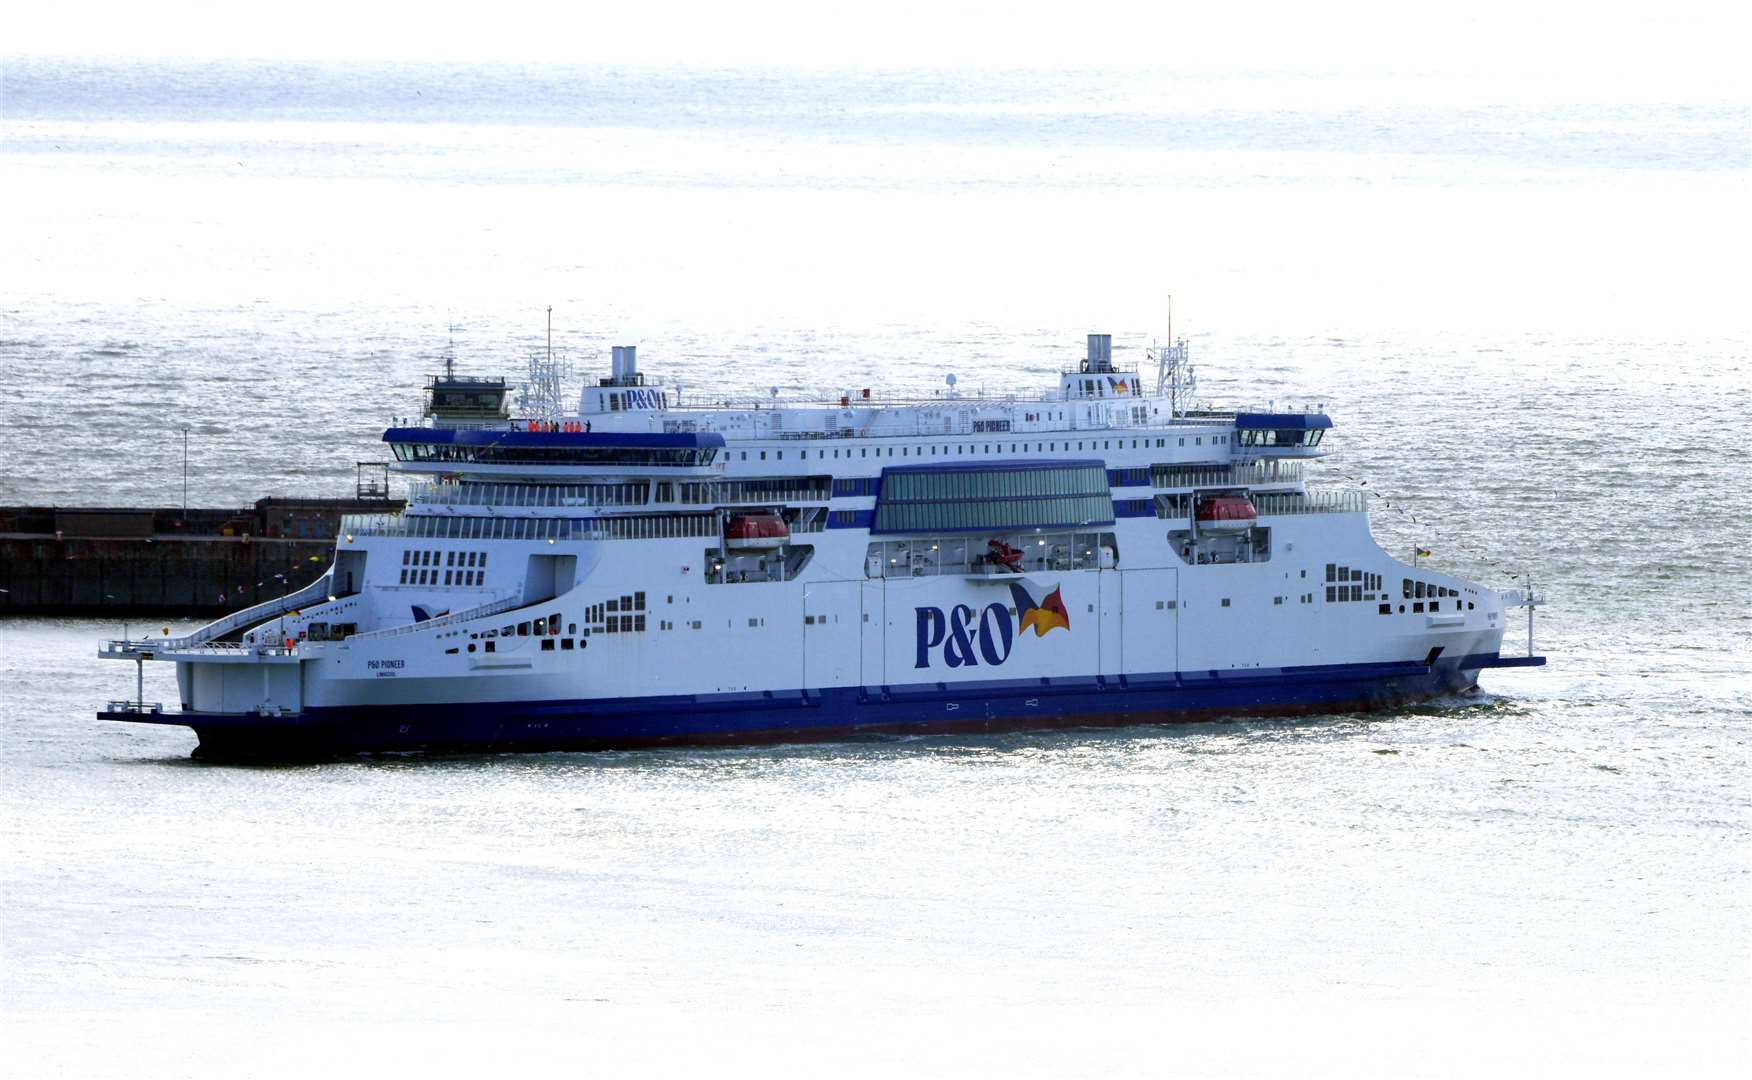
(803, 715)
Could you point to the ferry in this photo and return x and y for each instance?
(636, 572)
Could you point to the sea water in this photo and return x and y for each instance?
(1527, 320)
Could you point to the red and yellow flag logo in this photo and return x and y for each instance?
(1049, 614)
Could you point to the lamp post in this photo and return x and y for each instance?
(285, 587)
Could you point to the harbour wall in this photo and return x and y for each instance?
(169, 561)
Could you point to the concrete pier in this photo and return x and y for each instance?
(104, 561)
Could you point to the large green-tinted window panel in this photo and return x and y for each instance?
(993, 497)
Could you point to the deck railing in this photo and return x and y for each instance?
(631, 493)
(1257, 474)
(237, 620)
(491, 607)
(139, 708)
(1318, 501)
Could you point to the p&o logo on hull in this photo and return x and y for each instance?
(966, 637)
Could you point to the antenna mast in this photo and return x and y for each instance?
(1175, 378)
(543, 397)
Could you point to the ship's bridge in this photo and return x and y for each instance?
(454, 401)
(1280, 435)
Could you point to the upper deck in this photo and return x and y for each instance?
(626, 426)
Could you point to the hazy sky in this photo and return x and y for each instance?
(1607, 51)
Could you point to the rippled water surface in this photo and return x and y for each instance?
(1528, 323)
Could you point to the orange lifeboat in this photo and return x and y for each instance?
(756, 532)
(1226, 512)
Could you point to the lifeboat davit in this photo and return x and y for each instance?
(755, 532)
(1226, 512)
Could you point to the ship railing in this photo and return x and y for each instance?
(631, 493)
(926, 418)
(1318, 501)
(491, 607)
(1260, 474)
(138, 708)
(457, 527)
(466, 412)
(237, 620)
(660, 526)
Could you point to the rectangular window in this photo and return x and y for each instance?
(1331, 572)
(1385, 609)
(1418, 607)
(638, 622)
(638, 601)
(565, 643)
(1225, 601)
(522, 629)
(407, 556)
(1331, 593)
(540, 627)
(547, 644)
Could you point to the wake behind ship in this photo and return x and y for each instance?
(641, 572)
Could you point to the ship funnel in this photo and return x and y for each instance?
(626, 364)
(1100, 353)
